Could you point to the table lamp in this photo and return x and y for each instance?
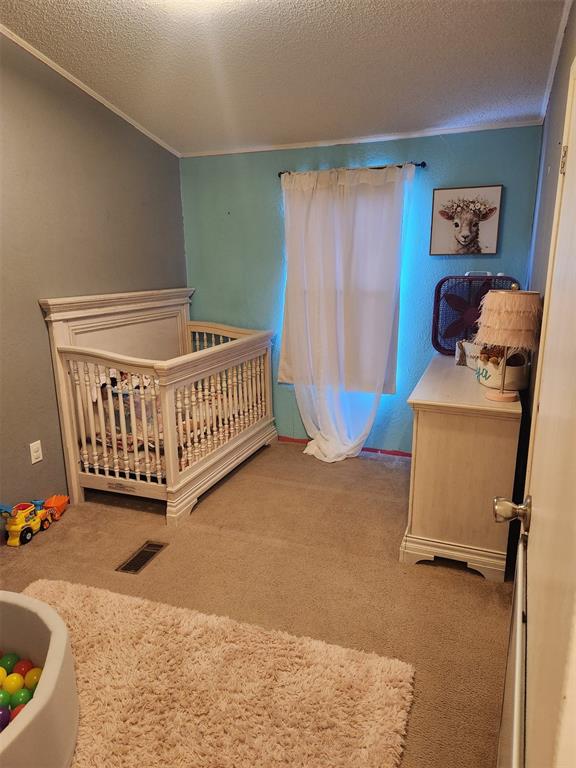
(509, 319)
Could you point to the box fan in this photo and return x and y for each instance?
(457, 307)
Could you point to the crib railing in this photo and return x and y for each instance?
(156, 421)
(118, 416)
(212, 410)
(220, 397)
(206, 335)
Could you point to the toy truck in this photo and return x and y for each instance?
(25, 519)
(56, 505)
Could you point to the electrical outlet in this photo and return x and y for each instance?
(36, 452)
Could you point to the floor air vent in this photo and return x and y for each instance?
(141, 557)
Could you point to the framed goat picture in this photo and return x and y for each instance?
(465, 221)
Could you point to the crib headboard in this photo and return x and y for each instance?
(148, 324)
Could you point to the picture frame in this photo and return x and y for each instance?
(465, 220)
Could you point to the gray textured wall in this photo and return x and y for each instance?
(550, 160)
(88, 205)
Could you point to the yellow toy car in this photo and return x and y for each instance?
(24, 521)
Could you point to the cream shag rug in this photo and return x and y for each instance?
(169, 686)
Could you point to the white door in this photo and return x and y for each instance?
(544, 736)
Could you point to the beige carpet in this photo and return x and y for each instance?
(292, 544)
(168, 686)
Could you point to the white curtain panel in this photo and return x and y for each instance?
(343, 243)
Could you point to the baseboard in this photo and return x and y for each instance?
(384, 451)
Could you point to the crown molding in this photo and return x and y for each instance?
(6, 32)
(370, 139)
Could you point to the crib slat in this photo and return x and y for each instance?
(206, 441)
(111, 423)
(213, 413)
(100, 407)
(226, 405)
(258, 389)
(155, 404)
(208, 388)
(252, 387)
(195, 423)
(245, 408)
(240, 415)
(233, 375)
(180, 429)
(80, 410)
(207, 417)
(88, 383)
(240, 399)
(248, 365)
(144, 419)
(263, 388)
(201, 417)
(133, 426)
(123, 428)
(187, 415)
(220, 409)
(238, 420)
(248, 402)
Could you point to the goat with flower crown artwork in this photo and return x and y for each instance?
(465, 221)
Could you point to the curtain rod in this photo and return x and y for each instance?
(371, 167)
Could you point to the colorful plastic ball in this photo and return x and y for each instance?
(8, 661)
(13, 683)
(4, 717)
(16, 711)
(3, 675)
(32, 678)
(23, 666)
(4, 698)
(22, 696)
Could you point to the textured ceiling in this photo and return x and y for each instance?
(219, 75)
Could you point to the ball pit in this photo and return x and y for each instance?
(16, 690)
(39, 723)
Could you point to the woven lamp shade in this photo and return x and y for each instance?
(510, 319)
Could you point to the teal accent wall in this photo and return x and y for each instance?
(233, 229)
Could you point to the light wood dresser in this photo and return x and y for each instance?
(463, 454)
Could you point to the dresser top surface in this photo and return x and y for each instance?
(447, 385)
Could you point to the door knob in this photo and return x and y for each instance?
(505, 510)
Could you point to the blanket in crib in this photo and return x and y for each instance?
(131, 399)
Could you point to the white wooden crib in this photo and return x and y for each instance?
(152, 404)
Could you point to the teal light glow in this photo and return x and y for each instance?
(233, 225)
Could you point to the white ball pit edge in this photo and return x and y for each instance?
(44, 733)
